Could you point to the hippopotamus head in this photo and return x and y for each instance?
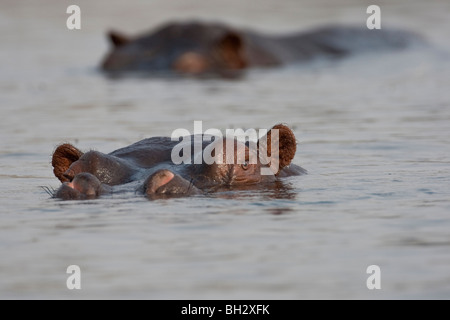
(189, 48)
(149, 167)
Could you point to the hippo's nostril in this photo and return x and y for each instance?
(69, 175)
(158, 180)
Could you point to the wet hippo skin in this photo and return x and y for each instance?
(148, 168)
(200, 48)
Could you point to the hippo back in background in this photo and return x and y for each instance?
(200, 48)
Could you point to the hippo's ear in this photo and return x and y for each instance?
(231, 48)
(287, 145)
(118, 39)
(63, 157)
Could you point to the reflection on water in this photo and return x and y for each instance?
(373, 134)
(279, 189)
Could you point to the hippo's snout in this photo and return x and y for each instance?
(69, 175)
(165, 182)
(158, 180)
(82, 186)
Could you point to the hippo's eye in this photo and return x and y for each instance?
(244, 165)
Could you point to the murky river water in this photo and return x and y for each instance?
(374, 135)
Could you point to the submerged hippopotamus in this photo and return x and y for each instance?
(147, 167)
(199, 48)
